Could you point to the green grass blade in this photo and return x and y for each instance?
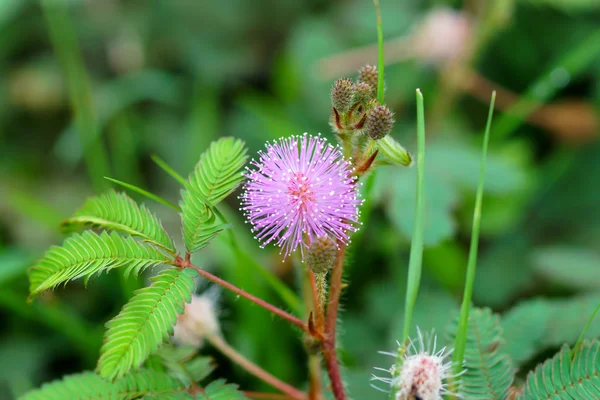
(416, 248)
(145, 193)
(463, 324)
(165, 167)
(380, 54)
(64, 40)
(585, 329)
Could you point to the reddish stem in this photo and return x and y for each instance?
(328, 345)
(277, 311)
(320, 318)
(254, 369)
(266, 396)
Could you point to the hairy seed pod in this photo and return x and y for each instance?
(321, 254)
(342, 94)
(364, 92)
(369, 75)
(380, 122)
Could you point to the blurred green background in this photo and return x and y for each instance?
(94, 88)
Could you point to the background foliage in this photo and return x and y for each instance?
(167, 78)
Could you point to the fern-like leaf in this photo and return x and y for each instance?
(216, 175)
(117, 211)
(489, 372)
(200, 224)
(563, 378)
(90, 254)
(145, 322)
(89, 386)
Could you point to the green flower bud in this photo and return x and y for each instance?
(364, 92)
(321, 254)
(380, 121)
(369, 75)
(342, 94)
(394, 153)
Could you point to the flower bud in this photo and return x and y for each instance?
(364, 92)
(393, 152)
(321, 254)
(380, 122)
(369, 75)
(199, 319)
(342, 94)
(420, 371)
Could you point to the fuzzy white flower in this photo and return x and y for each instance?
(199, 319)
(419, 373)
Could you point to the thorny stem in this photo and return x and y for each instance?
(254, 369)
(317, 301)
(181, 263)
(328, 345)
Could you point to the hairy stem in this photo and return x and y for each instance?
(254, 369)
(311, 300)
(328, 345)
(267, 396)
(215, 279)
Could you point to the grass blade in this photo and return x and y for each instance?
(463, 324)
(416, 248)
(145, 193)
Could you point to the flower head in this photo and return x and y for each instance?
(419, 373)
(300, 189)
(199, 319)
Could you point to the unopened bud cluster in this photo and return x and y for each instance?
(358, 118)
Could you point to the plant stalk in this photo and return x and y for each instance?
(463, 324)
(328, 345)
(179, 262)
(220, 344)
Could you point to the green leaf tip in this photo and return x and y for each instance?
(215, 177)
(88, 254)
(145, 322)
(118, 212)
(561, 378)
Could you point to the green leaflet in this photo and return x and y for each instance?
(145, 322)
(217, 173)
(183, 363)
(89, 386)
(215, 176)
(217, 390)
(117, 211)
(200, 224)
(89, 254)
(559, 378)
(489, 371)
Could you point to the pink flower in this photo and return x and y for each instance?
(302, 188)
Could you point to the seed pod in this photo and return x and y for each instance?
(321, 254)
(342, 94)
(380, 122)
(369, 75)
(364, 92)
